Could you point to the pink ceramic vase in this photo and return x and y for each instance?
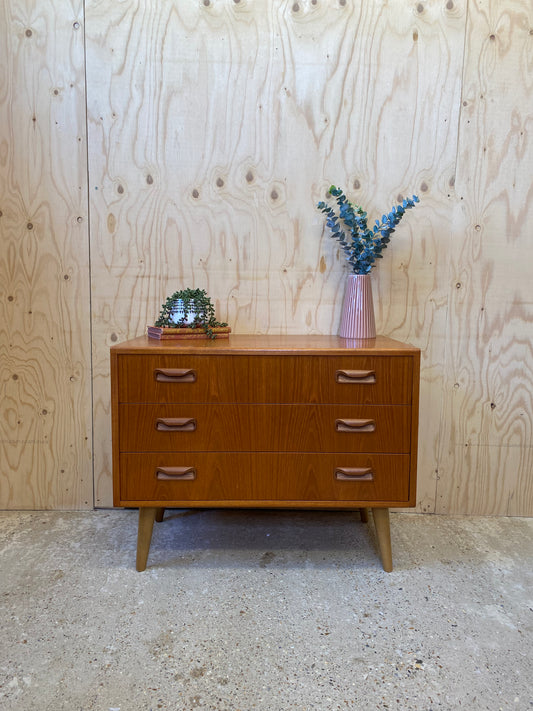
(357, 318)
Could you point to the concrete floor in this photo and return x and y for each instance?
(242, 610)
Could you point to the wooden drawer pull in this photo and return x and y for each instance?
(175, 473)
(351, 474)
(356, 377)
(355, 426)
(175, 424)
(175, 375)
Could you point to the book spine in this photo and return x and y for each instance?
(156, 331)
(185, 336)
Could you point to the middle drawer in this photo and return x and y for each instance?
(264, 428)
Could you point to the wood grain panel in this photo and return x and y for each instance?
(421, 121)
(214, 128)
(269, 428)
(239, 478)
(486, 460)
(487, 479)
(256, 379)
(217, 126)
(45, 393)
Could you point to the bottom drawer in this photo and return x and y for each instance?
(263, 479)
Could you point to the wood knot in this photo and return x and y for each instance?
(249, 176)
(195, 194)
(220, 183)
(29, 33)
(149, 179)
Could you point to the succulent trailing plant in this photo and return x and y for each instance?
(193, 301)
(362, 245)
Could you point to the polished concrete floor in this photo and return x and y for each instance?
(242, 610)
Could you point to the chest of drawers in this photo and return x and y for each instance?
(296, 422)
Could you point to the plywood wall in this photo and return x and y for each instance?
(486, 455)
(45, 376)
(221, 124)
(214, 127)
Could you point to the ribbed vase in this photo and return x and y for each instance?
(357, 318)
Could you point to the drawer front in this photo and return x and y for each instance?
(209, 479)
(240, 428)
(264, 378)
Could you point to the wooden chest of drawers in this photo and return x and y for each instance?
(264, 421)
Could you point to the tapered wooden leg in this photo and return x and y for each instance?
(159, 513)
(382, 524)
(144, 535)
(364, 515)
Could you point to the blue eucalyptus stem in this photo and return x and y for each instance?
(361, 245)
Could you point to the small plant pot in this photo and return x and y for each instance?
(181, 317)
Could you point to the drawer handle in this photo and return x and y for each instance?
(175, 424)
(351, 474)
(175, 375)
(175, 473)
(356, 377)
(355, 426)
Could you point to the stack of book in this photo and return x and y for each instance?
(185, 332)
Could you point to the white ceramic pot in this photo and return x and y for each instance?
(178, 317)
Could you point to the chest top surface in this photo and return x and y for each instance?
(268, 344)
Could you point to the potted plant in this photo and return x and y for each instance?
(362, 246)
(189, 308)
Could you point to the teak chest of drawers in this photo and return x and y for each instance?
(296, 422)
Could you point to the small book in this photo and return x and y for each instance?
(185, 332)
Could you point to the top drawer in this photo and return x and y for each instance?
(264, 378)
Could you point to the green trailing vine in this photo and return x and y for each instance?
(361, 244)
(193, 301)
